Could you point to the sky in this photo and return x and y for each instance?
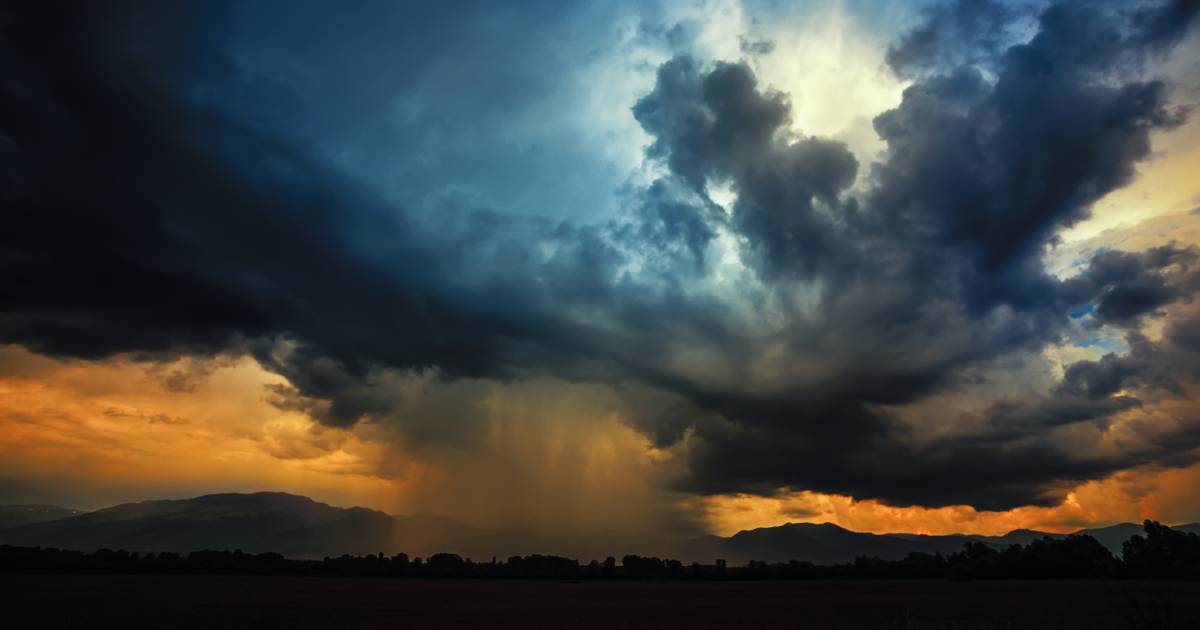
(652, 267)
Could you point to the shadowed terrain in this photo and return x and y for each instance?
(135, 602)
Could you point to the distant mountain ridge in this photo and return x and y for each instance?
(297, 526)
(266, 521)
(829, 544)
(13, 515)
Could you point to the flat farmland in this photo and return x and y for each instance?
(197, 601)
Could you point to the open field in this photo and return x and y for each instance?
(192, 601)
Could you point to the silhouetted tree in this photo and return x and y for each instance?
(610, 567)
(1162, 553)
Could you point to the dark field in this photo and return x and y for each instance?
(191, 601)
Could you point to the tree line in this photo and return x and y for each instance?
(1161, 553)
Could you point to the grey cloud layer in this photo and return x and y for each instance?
(144, 216)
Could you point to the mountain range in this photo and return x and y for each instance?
(297, 526)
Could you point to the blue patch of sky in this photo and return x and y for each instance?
(1103, 341)
(462, 101)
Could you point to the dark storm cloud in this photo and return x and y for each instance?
(707, 123)
(1159, 27)
(1126, 286)
(992, 471)
(1142, 366)
(1015, 419)
(676, 223)
(1185, 334)
(980, 173)
(952, 34)
(717, 126)
(991, 171)
(149, 209)
(149, 222)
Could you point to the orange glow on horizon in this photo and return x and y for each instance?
(112, 429)
(1131, 496)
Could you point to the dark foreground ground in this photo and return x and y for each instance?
(192, 601)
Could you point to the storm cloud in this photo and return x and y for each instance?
(794, 334)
